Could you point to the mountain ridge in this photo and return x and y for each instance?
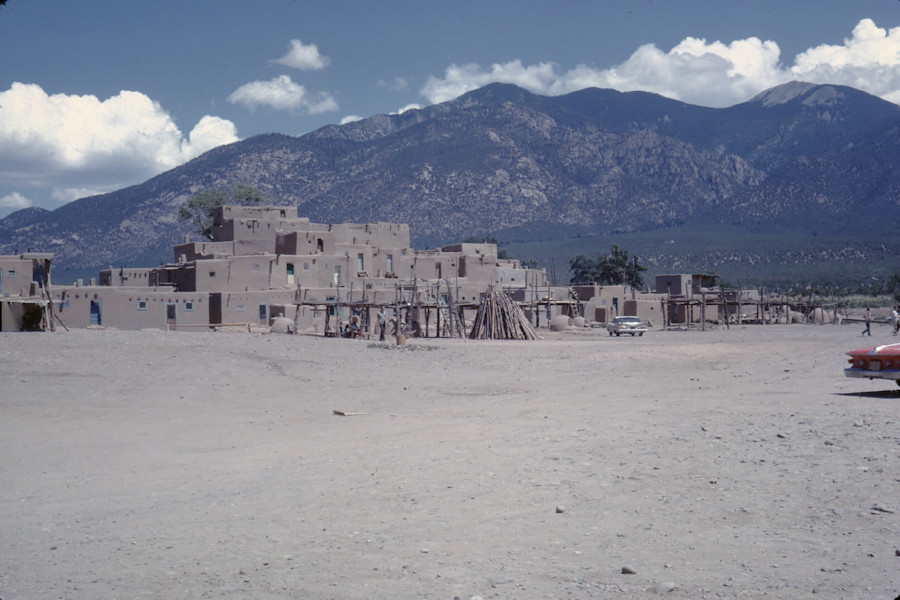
(501, 158)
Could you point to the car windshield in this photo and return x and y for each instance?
(628, 320)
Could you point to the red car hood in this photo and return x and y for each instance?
(886, 349)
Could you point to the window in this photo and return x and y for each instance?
(212, 273)
(256, 267)
(142, 305)
(390, 261)
(337, 275)
(188, 305)
(360, 262)
(240, 308)
(11, 273)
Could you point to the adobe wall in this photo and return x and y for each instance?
(202, 250)
(297, 243)
(475, 249)
(676, 285)
(521, 278)
(647, 309)
(236, 273)
(127, 277)
(16, 274)
(12, 315)
(478, 267)
(229, 211)
(229, 221)
(254, 307)
(379, 234)
(610, 301)
(129, 308)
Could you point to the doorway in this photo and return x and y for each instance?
(171, 315)
(96, 312)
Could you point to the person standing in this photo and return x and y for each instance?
(382, 322)
(895, 319)
(868, 328)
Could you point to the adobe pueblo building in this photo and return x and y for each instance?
(268, 268)
(265, 265)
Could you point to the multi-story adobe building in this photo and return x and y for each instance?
(24, 300)
(266, 262)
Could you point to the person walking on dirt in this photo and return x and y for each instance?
(868, 328)
(382, 322)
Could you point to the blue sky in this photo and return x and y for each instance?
(96, 95)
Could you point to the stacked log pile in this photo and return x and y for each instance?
(499, 318)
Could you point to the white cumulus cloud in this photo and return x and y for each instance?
(459, 79)
(63, 145)
(701, 72)
(281, 93)
(403, 109)
(303, 56)
(208, 133)
(868, 60)
(15, 201)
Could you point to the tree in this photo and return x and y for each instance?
(613, 268)
(201, 206)
(893, 285)
(583, 269)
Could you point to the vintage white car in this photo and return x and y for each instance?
(875, 362)
(630, 325)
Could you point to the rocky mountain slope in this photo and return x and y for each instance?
(800, 158)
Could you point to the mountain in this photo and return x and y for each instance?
(811, 163)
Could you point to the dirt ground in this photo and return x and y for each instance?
(720, 464)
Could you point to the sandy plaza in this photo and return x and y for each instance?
(724, 463)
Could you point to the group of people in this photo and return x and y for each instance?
(895, 320)
(354, 327)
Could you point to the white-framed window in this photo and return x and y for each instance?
(360, 262)
(11, 273)
(188, 305)
(143, 304)
(240, 308)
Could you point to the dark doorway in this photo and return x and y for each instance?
(96, 312)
